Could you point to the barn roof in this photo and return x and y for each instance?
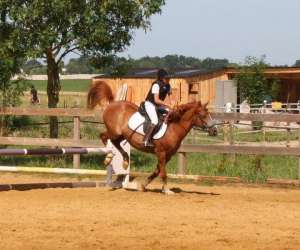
(152, 72)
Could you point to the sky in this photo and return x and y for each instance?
(231, 29)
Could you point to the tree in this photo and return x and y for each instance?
(253, 84)
(31, 65)
(81, 65)
(85, 64)
(51, 29)
(12, 56)
(176, 61)
(210, 63)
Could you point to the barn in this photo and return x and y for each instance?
(213, 86)
(187, 84)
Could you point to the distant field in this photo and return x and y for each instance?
(67, 85)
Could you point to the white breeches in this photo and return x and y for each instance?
(151, 111)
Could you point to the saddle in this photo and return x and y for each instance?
(139, 121)
(161, 114)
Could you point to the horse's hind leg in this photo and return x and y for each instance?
(117, 144)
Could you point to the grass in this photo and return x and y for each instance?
(65, 100)
(243, 166)
(66, 85)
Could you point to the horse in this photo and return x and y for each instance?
(117, 114)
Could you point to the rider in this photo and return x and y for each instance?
(159, 92)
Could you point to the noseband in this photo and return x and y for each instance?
(205, 124)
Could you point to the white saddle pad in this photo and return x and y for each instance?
(136, 123)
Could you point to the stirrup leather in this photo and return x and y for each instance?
(148, 135)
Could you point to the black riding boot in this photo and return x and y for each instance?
(147, 137)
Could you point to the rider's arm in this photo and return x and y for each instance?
(169, 100)
(158, 101)
(155, 92)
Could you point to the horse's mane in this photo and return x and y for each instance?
(176, 114)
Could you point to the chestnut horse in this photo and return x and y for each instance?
(116, 116)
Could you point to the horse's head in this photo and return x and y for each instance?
(194, 112)
(202, 117)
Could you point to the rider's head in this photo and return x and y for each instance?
(162, 75)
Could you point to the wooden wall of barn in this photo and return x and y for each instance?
(183, 89)
(201, 88)
(137, 87)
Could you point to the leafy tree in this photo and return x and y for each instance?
(10, 90)
(11, 58)
(31, 65)
(81, 65)
(253, 84)
(51, 29)
(109, 64)
(210, 63)
(179, 61)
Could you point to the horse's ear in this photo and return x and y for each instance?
(205, 105)
(199, 103)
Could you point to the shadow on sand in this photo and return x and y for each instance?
(181, 191)
(175, 190)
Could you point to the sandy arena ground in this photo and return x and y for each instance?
(197, 217)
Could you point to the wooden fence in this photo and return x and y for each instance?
(75, 113)
(227, 148)
(230, 147)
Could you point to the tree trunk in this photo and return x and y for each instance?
(53, 88)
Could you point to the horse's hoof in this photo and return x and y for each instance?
(116, 185)
(107, 161)
(142, 188)
(125, 165)
(167, 192)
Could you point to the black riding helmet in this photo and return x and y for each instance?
(161, 74)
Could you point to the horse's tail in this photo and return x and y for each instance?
(99, 94)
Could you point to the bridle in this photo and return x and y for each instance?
(205, 123)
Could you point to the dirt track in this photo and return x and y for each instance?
(197, 217)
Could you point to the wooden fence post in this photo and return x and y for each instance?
(231, 132)
(288, 135)
(182, 163)
(76, 158)
(231, 140)
(225, 133)
(263, 130)
(299, 156)
(226, 140)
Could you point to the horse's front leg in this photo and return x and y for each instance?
(165, 189)
(162, 162)
(151, 178)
